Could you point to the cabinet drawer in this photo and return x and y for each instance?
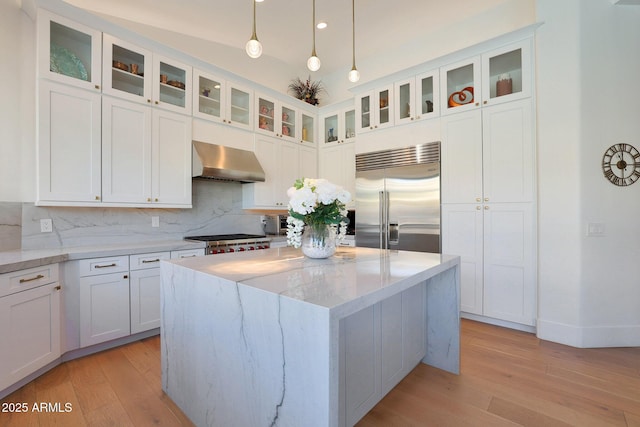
(95, 266)
(150, 260)
(186, 253)
(21, 280)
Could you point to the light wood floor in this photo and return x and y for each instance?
(508, 378)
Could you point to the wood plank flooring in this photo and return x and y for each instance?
(509, 378)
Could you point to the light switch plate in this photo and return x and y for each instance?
(46, 225)
(595, 229)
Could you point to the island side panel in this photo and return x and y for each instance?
(235, 355)
(443, 321)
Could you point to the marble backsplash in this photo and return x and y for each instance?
(10, 225)
(217, 209)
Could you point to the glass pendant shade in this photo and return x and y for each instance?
(354, 75)
(254, 48)
(313, 63)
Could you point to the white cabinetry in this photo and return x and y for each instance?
(68, 145)
(416, 98)
(30, 318)
(221, 101)
(283, 162)
(338, 165)
(338, 127)
(275, 118)
(146, 155)
(374, 109)
(69, 52)
(104, 299)
(380, 346)
(488, 207)
(145, 290)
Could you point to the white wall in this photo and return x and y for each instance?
(588, 67)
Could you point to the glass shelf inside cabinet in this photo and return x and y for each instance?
(426, 95)
(172, 84)
(350, 124)
(209, 97)
(288, 122)
(127, 71)
(265, 114)
(330, 129)
(240, 101)
(460, 86)
(505, 73)
(365, 114)
(307, 128)
(70, 52)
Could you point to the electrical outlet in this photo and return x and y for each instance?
(155, 221)
(595, 229)
(46, 225)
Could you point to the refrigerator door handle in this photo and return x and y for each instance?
(382, 219)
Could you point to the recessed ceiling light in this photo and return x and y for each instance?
(321, 25)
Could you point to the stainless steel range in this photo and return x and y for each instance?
(226, 243)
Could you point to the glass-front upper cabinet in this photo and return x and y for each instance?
(460, 86)
(416, 98)
(506, 73)
(308, 131)
(277, 119)
(373, 109)
(221, 101)
(339, 127)
(126, 70)
(68, 52)
(172, 84)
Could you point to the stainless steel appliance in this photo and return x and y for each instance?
(275, 224)
(398, 198)
(227, 243)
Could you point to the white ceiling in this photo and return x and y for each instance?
(284, 26)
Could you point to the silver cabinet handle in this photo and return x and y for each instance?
(148, 261)
(106, 266)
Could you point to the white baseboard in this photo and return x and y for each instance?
(589, 336)
(498, 322)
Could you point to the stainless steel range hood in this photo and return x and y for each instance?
(216, 162)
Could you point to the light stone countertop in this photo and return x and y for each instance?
(23, 259)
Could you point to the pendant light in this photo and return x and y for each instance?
(354, 74)
(313, 63)
(254, 47)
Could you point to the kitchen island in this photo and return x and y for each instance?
(270, 337)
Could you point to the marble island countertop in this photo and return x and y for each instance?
(23, 259)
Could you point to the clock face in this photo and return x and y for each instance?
(621, 164)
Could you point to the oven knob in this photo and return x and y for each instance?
(260, 247)
(221, 251)
(251, 248)
(213, 251)
(266, 246)
(231, 250)
(241, 249)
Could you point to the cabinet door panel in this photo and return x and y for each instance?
(462, 235)
(30, 333)
(68, 144)
(391, 336)
(171, 158)
(126, 151)
(509, 262)
(461, 177)
(508, 152)
(414, 321)
(145, 300)
(104, 308)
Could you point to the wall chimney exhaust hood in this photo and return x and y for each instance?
(216, 162)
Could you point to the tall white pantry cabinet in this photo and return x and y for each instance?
(488, 194)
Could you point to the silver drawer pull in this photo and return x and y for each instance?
(39, 276)
(106, 266)
(188, 256)
(148, 261)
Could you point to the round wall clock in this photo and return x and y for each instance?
(621, 164)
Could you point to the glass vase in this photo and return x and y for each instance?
(318, 241)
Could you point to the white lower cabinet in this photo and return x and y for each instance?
(496, 244)
(379, 346)
(145, 290)
(104, 300)
(30, 319)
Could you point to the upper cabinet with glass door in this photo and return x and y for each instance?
(460, 86)
(506, 73)
(416, 98)
(134, 73)
(374, 110)
(277, 119)
(339, 127)
(308, 131)
(221, 101)
(68, 52)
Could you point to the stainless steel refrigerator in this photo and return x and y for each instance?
(398, 198)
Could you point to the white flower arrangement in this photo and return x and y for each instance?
(316, 202)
